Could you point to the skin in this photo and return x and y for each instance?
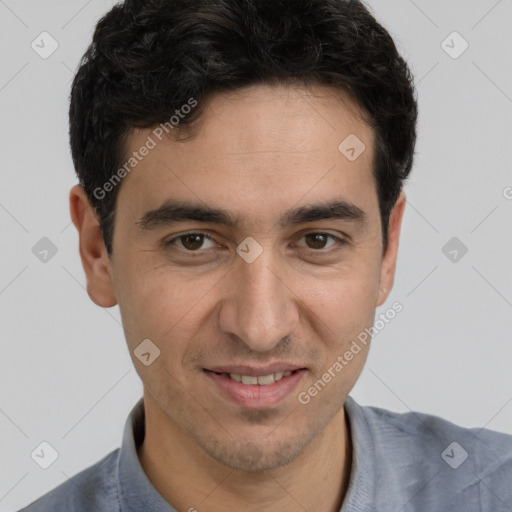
(259, 152)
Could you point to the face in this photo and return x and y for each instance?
(266, 288)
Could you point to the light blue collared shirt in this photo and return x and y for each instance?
(411, 462)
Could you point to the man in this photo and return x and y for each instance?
(241, 167)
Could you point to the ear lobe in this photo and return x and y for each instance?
(93, 252)
(388, 264)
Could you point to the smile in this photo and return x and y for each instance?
(263, 380)
(255, 391)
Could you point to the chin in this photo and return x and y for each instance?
(259, 449)
(256, 457)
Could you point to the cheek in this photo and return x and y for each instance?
(163, 306)
(345, 302)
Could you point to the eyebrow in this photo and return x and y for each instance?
(172, 211)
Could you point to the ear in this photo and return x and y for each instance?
(387, 273)
(93, 252)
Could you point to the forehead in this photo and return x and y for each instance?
(263, 144)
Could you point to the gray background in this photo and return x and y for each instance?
(66, 375)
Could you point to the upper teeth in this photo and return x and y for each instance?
(263, 380)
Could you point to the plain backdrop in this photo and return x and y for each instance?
(66, 375)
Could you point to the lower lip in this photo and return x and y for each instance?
(256, 396)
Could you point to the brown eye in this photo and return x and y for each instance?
(318, 240)
(191, 242)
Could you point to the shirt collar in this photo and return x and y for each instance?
(136, 492)
(360, 496)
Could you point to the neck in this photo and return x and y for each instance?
(189, 479)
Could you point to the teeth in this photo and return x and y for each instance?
(263, 380)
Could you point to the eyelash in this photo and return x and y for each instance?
(340, 242)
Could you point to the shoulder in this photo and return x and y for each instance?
(94, 488)
(456, 464)
(488, 448)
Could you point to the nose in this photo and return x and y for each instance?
(261, 308)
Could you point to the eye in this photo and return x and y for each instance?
(318, 240)
(192, 242)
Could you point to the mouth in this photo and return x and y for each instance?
(255, 388)
(252, 380)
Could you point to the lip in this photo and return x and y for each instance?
(254, 371)
(255, 396)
